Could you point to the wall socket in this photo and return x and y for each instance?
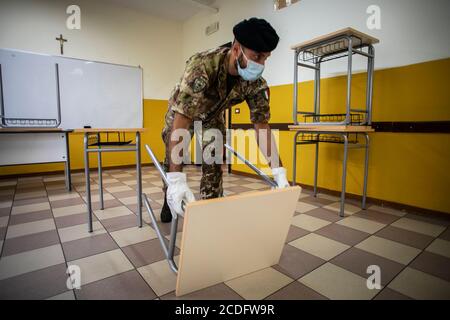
(212, 28)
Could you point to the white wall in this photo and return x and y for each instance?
(412, 31)
(108, 33)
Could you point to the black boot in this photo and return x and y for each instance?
(166, 215)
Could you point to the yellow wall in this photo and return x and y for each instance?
(407, 168)
(154, 111)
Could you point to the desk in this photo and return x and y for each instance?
(101, 147)
(339, 135)
(35, 146)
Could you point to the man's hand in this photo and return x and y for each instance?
(279, 174)
(178, 191)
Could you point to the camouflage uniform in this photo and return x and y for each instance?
(201, 95)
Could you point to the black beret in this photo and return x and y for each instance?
(256, 34)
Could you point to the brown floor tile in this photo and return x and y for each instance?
(433, 264)
(318, 202)
(218, 292)
(445, 235)
(296, 263)
(30, 242)
(2, 233)
(239, 189)
(39, 284)
(144, 253)
(133, 207)
(125, 286)
(342, 234)
(73, 220)
(30, 217)
(324, 214)
(296, 291)
(119, 223)
(29, 201)
(156, 196)
(165, 227)
(295, 233)
(107, 204)
(124, 194)
(89, 246)
(380, 217)
(410, 238)
(357, 261)
(389, 294)
(6, 198)
(5, 212)
(66, 203)
(439, 220)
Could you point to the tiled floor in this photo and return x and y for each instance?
(43, 230)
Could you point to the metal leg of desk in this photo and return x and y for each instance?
(88, 181)
(316, 169)
(67, 165)
(344, 175)
(294, 160)
(100, 175)
(139, 178)
(366, 171)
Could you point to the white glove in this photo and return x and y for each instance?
(279, 174)
(177, 191)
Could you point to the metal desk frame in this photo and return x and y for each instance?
(169, 249)
(99, 150)
(315, 55)
(347, 146)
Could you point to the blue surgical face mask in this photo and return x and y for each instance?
(253, 71)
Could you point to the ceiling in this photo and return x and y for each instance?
(179, 10)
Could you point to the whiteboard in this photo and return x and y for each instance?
(90, 93)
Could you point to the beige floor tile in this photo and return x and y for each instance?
(441, 247)
(152, 190)
(118, 189)
(80, 231)
(67, 211)
(29, 261)
(349, 209)
(309, 223)
(159, 276)
(336, 283)
(361, 224)
(389, 249)
(420, 285)
(34, 194)
(30, 208)
(388, 210)
(328, 197)
(4, 221)
(8, 183)
(130, 182)
(82, 188)
(303, 207)
(68, 295)
(419, 226)
(259, 285)
(101, 266)
(133, 235)
(28, 228)
(5, 204)
(55, 187)
(128, 201)
(108, 180)
(122, 175)
(112, 213)
(256, 186)
(64, 196)
(54, 178)
(319, 246)
(96, 197)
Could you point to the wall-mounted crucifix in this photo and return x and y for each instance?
(61, 42)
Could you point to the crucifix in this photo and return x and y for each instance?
(61, 42)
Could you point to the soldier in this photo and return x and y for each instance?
(214, 81)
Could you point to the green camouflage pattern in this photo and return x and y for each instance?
(201, 95)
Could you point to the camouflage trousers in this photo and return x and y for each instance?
(211, 181)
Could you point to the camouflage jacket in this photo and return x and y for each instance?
(201, 94)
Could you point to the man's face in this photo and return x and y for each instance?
(258, 57)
